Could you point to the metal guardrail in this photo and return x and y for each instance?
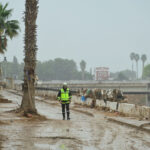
(76, 91)
(53, 89)
(139, 92)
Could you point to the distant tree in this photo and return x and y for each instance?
(128, 74)
(58, 69)
(8, 28)
(13, 70)
(64, 69)
(83, 67)
(122, 77)
(137, 57)
(15, 60)
(132, 57)
(143, 58)
(91, 71)
(146, 72)
(88, 76)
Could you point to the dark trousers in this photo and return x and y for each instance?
(65, 107)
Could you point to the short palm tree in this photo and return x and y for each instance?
(132, 57)
(83, 66)
(137, 57)
(143, 58)
(8, 28)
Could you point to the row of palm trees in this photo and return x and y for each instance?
(136, 57)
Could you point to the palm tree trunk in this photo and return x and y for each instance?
(30, 49)
(132, 70)
(82, 75)
(142, 69)
(136, 69)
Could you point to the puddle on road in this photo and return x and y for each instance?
(42, 146)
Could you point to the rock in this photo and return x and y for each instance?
(29, 115)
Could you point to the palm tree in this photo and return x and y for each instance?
(8, 28)
(132, 57)
(30, 49)
(143, 58)
(137, 57)
(83, 66)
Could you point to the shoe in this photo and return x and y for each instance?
(63, 116)
(68, 118)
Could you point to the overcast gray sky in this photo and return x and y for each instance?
(102, 32)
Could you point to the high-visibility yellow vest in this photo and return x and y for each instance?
(64, 95)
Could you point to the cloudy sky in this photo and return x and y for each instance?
(102, 32)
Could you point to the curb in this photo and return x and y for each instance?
(141, 128)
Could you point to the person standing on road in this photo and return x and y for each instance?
(64, 96)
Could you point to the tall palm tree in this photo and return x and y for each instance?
(8, 28)
(83, 66)
(132, 57)
(30, 49)
(143, 58)
(137, 57)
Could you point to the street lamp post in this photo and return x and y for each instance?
(4, 66)
(0, 71)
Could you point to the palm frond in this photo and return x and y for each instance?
(8, 28)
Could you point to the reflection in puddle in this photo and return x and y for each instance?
(42, 146)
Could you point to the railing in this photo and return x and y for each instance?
(76, 88)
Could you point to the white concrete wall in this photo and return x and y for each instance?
(112, 105)
(125, 108)
(100, 103)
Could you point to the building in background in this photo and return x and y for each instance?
(102, 73)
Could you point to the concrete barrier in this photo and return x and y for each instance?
(134, 110)
(125, 108)
(128, 109)
(112, 105)
(146, 111)
(87, 102)
(77, 100)
(100, 103)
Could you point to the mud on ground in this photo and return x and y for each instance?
(88, 129)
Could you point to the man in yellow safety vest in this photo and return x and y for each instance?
(64, 96)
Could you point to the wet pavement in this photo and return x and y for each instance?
(88, 129)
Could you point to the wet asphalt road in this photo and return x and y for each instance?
(88, 129)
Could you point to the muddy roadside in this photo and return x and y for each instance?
(88, 129)
(112, 116)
